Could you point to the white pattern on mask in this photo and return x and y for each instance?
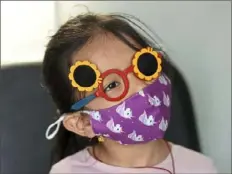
(147, 120)
(141, 93)
(162, 80)
(155, 101)
(114, 128)
(96, 116)
(124, 112)
(166, 100)
(163, 124)
(135, 137)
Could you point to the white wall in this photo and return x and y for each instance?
(198, 36)
(25, 26)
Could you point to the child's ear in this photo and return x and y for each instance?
(79, 124)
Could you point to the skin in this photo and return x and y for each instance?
(107, 52)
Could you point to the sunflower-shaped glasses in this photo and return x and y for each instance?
(113, 84)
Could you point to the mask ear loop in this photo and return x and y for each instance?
(57, 123)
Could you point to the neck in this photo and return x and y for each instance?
(141, 155)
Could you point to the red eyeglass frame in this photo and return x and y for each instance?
(100, 91)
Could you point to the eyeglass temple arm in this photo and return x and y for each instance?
(78, 105)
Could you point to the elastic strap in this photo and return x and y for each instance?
(57, 123)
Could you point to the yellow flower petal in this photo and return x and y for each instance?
(73, 82)
(135, 63)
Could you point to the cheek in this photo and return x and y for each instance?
(101, 103)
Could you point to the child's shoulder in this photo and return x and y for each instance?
(62, 166)
(76, 162)
(188, 159)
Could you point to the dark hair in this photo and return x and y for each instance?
(71, 37)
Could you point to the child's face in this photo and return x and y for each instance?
(108, 52)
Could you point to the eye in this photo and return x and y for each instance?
(112, 85)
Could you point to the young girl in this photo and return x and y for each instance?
(112, 87)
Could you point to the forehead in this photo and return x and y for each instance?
(107, 52)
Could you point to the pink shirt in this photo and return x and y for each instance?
(186, 161)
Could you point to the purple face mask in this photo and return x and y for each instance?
(141, 118)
